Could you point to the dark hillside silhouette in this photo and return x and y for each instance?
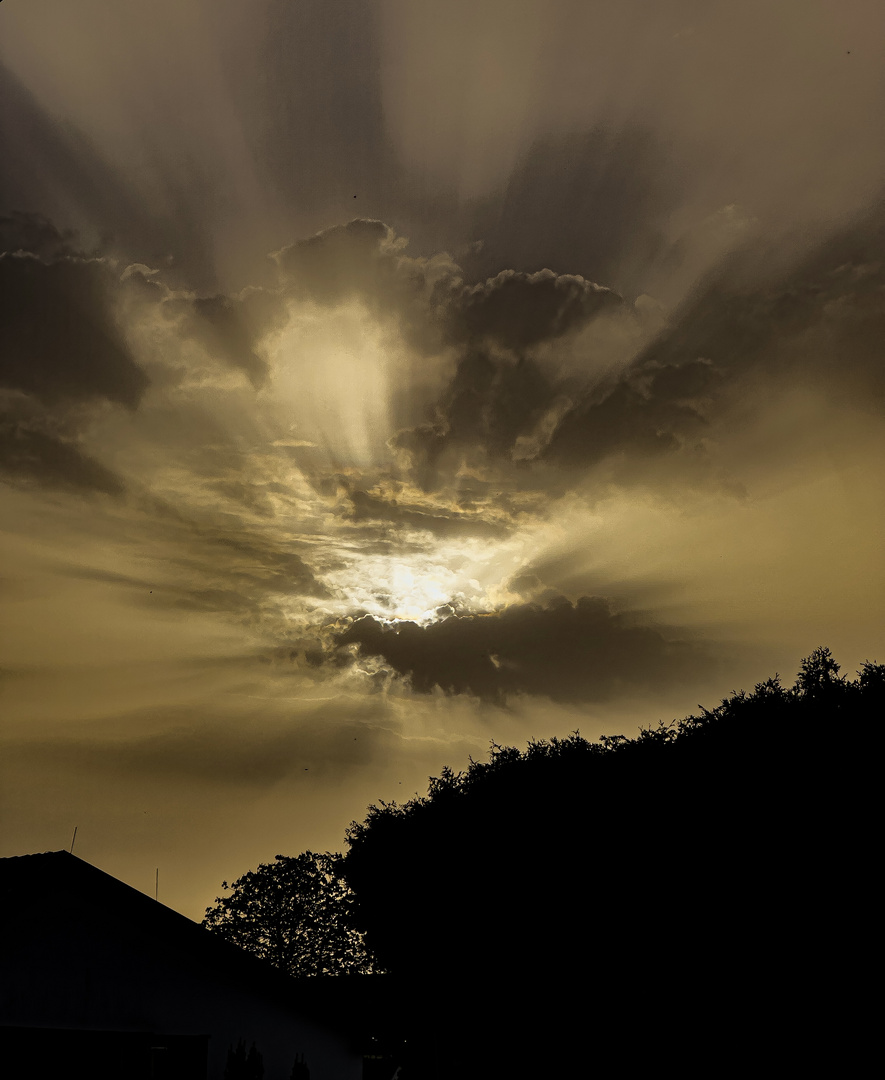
(629, 903)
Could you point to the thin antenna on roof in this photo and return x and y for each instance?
(73, 838)
(157, 886)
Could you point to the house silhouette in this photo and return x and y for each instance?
(101, 980)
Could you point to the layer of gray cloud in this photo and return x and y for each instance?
(62, 351)
(563, 651)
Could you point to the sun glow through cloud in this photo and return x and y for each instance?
(332, 373)
(427, 585)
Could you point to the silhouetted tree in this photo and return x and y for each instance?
(573, 879)
(295, 912)
(818, 675)
(871, 684)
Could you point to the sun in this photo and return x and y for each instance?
(419, 597)
(421, 586)
(394, 591)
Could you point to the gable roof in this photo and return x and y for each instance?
(52, 901)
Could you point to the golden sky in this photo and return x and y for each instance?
(381, 378)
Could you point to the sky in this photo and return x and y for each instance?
(380, 379)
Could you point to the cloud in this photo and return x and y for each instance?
(315, 744)
(658, 391)
(28, 454)
(505, 402)
(517, 415)
(365, 259)
(40, 150)
(63, 354)
(490, 405)
(627, 418)
(215, 322)
(27, 231)
(513, 401)
(592, 201)
(342, 261)
(555, 388)
(760, 321)
(563, 651)
(261, 560)
(617, 311)
(75, 335)
(229, 566)
(58, 336)
(367, 507)
(228, 328)
(519, 309)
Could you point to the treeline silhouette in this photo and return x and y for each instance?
(626, 903)
(682, 899)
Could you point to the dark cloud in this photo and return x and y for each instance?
(29, 455)
(230, 567)
(593, 202)
(232, 570)
(38, 151)
(34, 233)
(564, 651)
(58, 335)
(227, 327)
(488, 405)
(501, 404)
(493, 404)
(364, 259)
(639, 421)
(519, 309)
(346, 260)
(146, 593)
(493, 401)
(754, 314)
(62, 352)
(748, 327)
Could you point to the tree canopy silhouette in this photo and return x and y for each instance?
(662, 884)
(296, 913)
(575, 876)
